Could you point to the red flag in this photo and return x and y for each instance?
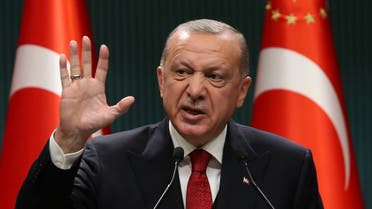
(298, 95)
(33, 111)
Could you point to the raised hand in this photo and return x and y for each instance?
(84, 108)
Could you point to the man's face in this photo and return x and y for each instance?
(201, 84)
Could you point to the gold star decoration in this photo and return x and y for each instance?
(323, 13)
(309, 18)
(294, 18)
(275, 15)
(268, 5)
(291, 19)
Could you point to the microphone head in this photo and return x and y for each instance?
(178, 154)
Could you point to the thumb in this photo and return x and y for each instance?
(124, 104)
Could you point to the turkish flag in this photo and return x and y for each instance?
(298, 95)
(33, 111)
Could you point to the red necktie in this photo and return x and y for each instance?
(198, 191)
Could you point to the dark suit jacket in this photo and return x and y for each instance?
(131, 169)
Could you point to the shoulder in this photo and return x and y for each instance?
(134, 140)
(262, 141)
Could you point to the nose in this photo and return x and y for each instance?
(196, 87)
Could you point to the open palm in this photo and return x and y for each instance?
(84, 108)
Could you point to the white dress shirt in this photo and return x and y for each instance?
(60, 159)
(214, 147)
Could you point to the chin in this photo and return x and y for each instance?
(197, 135)
(195, 132)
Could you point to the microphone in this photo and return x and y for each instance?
(243, 159)
(178, 157)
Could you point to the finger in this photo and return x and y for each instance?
(102, 65)
(65, 78)
(74, 59)
(123, 105)
(86, 57)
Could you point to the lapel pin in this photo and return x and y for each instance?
(246, 181)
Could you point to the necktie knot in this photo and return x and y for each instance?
(199, 160)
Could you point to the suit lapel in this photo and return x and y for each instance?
(153, 169)
(154, 166)
(233, 192)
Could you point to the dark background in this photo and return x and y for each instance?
(135, 31)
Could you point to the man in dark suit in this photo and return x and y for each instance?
(203, 78)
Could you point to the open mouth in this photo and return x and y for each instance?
(192, 111)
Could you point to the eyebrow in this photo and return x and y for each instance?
(189, 64)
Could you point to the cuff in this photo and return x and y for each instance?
(60, 159)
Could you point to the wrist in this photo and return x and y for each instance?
(69, 142)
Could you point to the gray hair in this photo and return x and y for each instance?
(211, 27)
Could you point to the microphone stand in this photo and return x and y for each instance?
(256, 188)
(178, 156)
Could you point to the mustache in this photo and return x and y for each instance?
(197, 105)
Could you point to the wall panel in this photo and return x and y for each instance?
(135, 31)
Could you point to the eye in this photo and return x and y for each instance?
(217, 80)
(182, 72)
(215, 77)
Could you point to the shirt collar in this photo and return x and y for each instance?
(214, 147)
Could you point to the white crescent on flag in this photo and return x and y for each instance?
(37, 66)
(299, 95)
(33, 110)
(304, 77)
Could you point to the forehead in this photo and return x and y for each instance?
(224, 45)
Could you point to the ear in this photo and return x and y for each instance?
(246, 82)
(159, 72)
